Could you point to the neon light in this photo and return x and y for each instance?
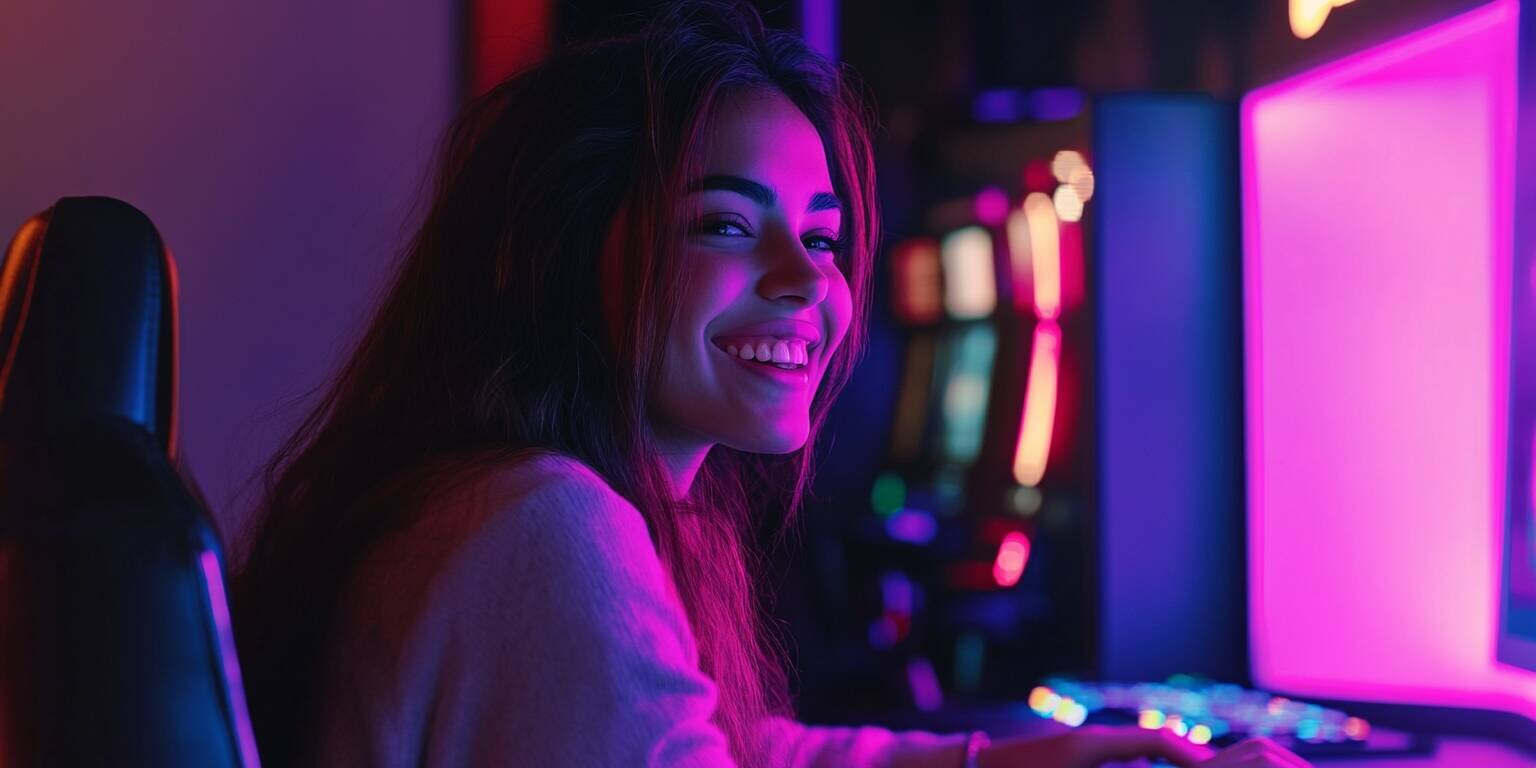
(1200, 734)
(1016, 229)
(896, 593)
(991, 206)
(967, 391)
(1065, 163)
(1069, 207)
(913, 526)
(1008, 105)
(1038, 420)
(1357, 729)
(1012, 556)
(970, 287)
(213, 580)
(1043, 700)
(927, 696)
(916, 296)
(1081, 182)
(912, 404)
(1070, 713)
(818, 25)
(1307, 16)
(1176, 724)
(1045, 254)
(1151, 719)
(1070, 238)
(506, 38)
(1076, 188)
(888, 494)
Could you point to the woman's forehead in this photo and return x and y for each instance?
(763, 136)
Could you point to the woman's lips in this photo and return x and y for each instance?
(782, 328)
(799, 377)
(766, 349)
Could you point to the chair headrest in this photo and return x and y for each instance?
(88, 322)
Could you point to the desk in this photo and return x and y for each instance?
(1451, 753)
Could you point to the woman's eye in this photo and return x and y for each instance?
(823, 243)
(723, 228)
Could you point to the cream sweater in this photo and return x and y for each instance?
(527, 621)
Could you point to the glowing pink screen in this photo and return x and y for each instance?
(1377, 236)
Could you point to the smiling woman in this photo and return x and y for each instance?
(515, 530)
(763, 278)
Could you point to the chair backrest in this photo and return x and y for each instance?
(115, 641)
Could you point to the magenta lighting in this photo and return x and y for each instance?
(1377, 242)
(213, 580)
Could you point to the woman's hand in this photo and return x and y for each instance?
(1256, 753)
(1094, 745)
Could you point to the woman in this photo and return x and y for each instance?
(514, 532)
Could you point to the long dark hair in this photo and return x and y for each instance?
(493, 341)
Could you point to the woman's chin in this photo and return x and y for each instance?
(771, 438)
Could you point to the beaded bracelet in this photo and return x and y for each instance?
(973, 746)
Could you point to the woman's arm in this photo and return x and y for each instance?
(1094, 745)
(796, 745)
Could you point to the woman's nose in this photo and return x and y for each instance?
(791, 272)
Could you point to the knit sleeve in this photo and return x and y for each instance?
(547, 635)
(808, 746)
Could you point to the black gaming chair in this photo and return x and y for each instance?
(115, 644)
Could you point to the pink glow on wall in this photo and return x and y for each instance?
(1378, 228)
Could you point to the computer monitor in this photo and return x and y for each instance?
(1378, 234)
(1517, 607)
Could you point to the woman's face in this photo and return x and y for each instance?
(766, 304)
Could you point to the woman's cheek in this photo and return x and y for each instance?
(839, 306)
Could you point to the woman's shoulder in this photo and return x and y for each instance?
(499, 539)
(491, 605)
(542, 492)
(552, 498)
(552, 478)
(522, 518)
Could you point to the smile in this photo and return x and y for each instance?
(781, 374)
(788, 354)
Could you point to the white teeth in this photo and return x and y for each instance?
(782, 352)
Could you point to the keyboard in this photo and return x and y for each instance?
(1220, 714)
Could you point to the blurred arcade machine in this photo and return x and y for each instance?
(1188, 386)
(1064, 362)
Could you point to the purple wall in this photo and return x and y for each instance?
(277, 145)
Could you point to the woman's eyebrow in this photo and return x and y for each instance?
(824, 201)
(755, 191)
(759, 193)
